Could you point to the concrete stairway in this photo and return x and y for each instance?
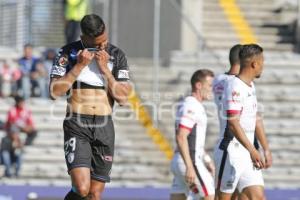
(138, 162)
(274, 30)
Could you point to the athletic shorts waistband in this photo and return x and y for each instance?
(86, 116)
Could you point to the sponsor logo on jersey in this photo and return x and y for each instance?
(218, 89)
(73, 54)
(59, 70)
(123, 74)
(235, 96)
(63, 61)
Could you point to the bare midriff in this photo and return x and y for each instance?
(89, 102)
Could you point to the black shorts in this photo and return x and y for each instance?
(89, 142)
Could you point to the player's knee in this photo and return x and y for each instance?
(259, 197)
(83, 190)
(95, 193)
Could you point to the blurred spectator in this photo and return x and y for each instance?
(49, 58)
(74, 11)
(11, 153)
(27, 66)
(9, 76)
(38, 80)
(281, 5)
(19, 119)
(2, 125)
(48, 62)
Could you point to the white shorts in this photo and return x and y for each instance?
(204, 182)
(234, 169)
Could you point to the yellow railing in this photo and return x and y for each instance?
(145, 119)
(238, 22)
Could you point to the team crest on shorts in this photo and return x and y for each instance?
(70, 157)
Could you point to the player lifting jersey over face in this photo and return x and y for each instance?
(94, 74)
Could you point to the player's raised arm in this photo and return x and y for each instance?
(61, 81)
(118, 79)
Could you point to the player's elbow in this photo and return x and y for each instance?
(52, 96)
(58, 89)
(180, 138)
(122, 100)
(232, 124)
(53, 93)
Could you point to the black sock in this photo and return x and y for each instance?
(73, 196)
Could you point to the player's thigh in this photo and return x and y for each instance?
(177, 197)
(210, 197)
(238, 196)
(235, 195)
(227, 172)
(179, 186)
(205, 181)
(252, 182)
(103, 149)
(222, 195)
(255, 192)
(241, 196)
(80, 177)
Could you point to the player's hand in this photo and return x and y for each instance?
(268, 158)
(190, 175)
(102, 58)
(84, 57)
(211, 168)
(257, 159)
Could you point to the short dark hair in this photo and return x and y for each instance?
(28, 45)
(200, 76)
(92, 25)
(248, 51)
(19, 99)
(234, 54)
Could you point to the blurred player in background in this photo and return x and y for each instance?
(94, 73)
(192, 167)
(218, 90)
(238, 162)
